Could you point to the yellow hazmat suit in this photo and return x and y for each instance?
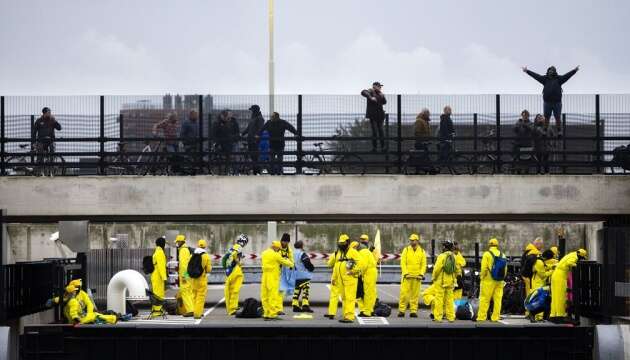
(428, 295)
(369, 275)
(76, 309)
(530, 249)
(158, 276)
(559, 283)
(461, 263)
(490, 289)
(185, 286)
(233, 280)
(333, 301)
(347, 269)
(200, 284)
(413, 266)
(444, 303)
(272, 260)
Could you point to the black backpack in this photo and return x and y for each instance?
(194, 266)
(381, 309)
(251, 309)
(147, 264)
(527, 265)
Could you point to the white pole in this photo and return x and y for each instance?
(271, 63)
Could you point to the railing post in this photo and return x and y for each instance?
(598, 135)
(498, 133)
(32, 138)
(2, 165)
(121, 127)
(387, 143)
(564, 143)
(199, 149)
(298, 168)
(399, 131)
(102, 135)
(475, 134)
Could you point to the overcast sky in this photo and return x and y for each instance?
(322, 47)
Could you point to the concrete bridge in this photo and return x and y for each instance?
(338, 198)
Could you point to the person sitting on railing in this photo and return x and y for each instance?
(375, 113)
(277, 128)
(44, 133)
(446, 133)
(552, 91)
(226, 134)
(169, 127)
(523, 130)
(542, 144)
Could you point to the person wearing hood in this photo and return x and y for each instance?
(369, 275)
(185, 290)
(413, 266)
(552, 92)
(528, 260)
(540, 278)
(559, 280)
(200, 284)
(252, 131)
(491, 288)
(158, 276)
(444, 278)
(271, 262)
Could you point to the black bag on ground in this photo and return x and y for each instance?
(381, 309)
(147, 264)
(513, 298)
(251, 309)
(194, 266)
(131, 308)
(464, 311)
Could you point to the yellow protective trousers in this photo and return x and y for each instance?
(443, 303)
(199, 290)
(232, 289)
(409, 294)
(490, 290)
(185, 293)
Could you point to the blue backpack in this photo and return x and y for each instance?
(538, 300)
(498, 267)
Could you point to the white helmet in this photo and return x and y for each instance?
(242, 240)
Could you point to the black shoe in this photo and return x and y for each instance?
(281, 313)
(331, 317)
(431, 316)
(401, 314)
(306, 309)
(345, 321)
(296, 309)
(362, 315)
(413, 315)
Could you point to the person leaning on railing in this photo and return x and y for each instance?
(256, 122)
(44, 133)
(276, 128)
(169, 127)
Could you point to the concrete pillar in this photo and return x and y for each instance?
(272, 231)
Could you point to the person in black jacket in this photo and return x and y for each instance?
(226, 134)
(446, 134)
(523, 130)
(375, 113)
(542, 134)
(44, 133)
(276, 128)
(552, 92)
(256, 123)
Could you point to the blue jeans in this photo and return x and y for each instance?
(552, 108)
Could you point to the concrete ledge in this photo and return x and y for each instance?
(341, 197)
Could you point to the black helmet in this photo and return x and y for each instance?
(242, 240)
(448, 244)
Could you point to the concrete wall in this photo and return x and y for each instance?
(344, 196)
(30, 241)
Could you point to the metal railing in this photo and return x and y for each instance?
(116, 136)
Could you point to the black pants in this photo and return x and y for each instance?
(276, 156)
(252, 148)
(444, 152)
(543, 162)
(377, 132)
(302, 288)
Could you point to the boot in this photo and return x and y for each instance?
(306, 309)
(296, 309)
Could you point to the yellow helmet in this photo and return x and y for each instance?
(364, 237)
(70, 289)
(77, 283)
(555, 251)
(354, 244)
(276, 244)
(414, 237)
(343, 238)
(582, 253)
(180, 238)
(202, 244)
(493, 242)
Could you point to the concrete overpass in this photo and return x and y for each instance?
(338, 198)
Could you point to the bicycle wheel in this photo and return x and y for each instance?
(484, 166)
(351, 165)
(57, 165)
(26, 168)
(312, 165)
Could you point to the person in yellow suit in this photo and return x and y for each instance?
(158, 276)
(347, 269)
(542, 273)
(413, 266)
(369, 275)
(444, 278)
(287, 253)
(76, 311)
(185, 289)
(559, 280)
(490, 289)
(272, 261)
(428, 297)
(532, 251)
(333, 301)
(233, 274)
(200, 283)
(461, 263)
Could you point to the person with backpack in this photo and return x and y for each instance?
(540, 278)
(158, 276)
(492, 277)
(185, 289)
(303, 274)
(532, 251)
(231, 263)
(369, 276)
(198, 268)
(413, 266)
(559, 285)
(271, 262)
(444, 279)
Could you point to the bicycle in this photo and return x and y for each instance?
(47, 163)
(152, 163)
(119, 164)
(419, 161)
(344, 164)
(20, 165)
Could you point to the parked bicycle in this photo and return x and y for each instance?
(36, 162)
(344, 163)
(421, 161)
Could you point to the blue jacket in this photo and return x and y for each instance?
(303, 266)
